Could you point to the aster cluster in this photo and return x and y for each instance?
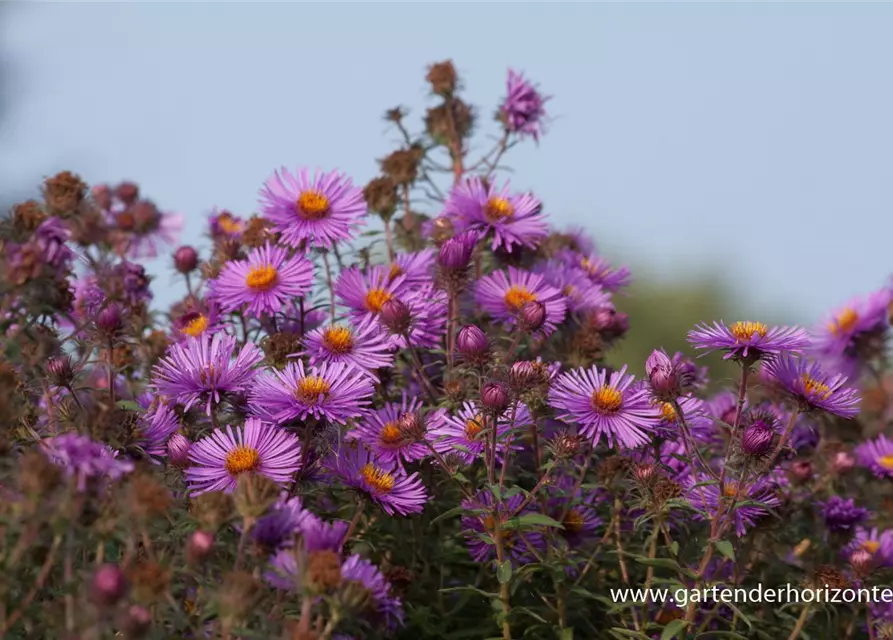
(371, 416)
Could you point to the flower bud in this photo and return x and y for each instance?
(494, 397)
(127, 192)
(109, 319)
(396, 316)
(412, 426)
(178, 447)
(662, 375)
(102, 196)
(862, 561)
(59, 371)
(136, 622)
(801, 470)
(199, 546)
(108, 585)
(455, 254)
(185, 259)
(471, 343)
(645, 474)
(843, 462)
(757, 439)
(523, 375)
(532, 316)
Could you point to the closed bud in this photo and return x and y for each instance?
(455, 254)
(862, 561)
(843, 462)
(645, 474)
(494, 397)
(136, 622)
(199, 546)
(757, 439)
(102, 196)
(662, 376)
(127, 192)
(566, 446)
(186, 259)
(471, 343)
(60, 371)
(178, 447)
(109, 319)
(523, 375)
(411, 426)
(532, 316)
(396, 316)
(801, 470)
(108, 585)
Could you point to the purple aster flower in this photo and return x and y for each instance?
(597, 269)
(417, 268)
(580, 292)
(263, 283)
(128, 282)
(223, 224)
(748, 340)
(260, 448)
(319, 210)
(364, 346)
(427, 318)
(697, 419)
(503, 294)
(386, 607)
(812, 388)
(314, 535)
(574, 508)
(704, 495)
(278, 527)
(461, 435)
(523, 110)
(480, 527)
(198, 317)
(51, 236)
(332, 391)
(83, 459)
(877, 456)
(203, 369)
(390, 487)
(383, 433)
(855, 332)
(878, 543)
(155, 426)
(842, 515)
(365, 293)
(512, 219)
(668, 378)
(605, 406)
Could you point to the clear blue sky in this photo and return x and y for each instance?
(758, 135)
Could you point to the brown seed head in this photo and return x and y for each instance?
(150, 580)
(27, 216)
(324, 570)
(381, 195)
(63, 193)
(442, 77)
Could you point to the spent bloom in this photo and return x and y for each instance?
(748, 340)
(264, 449)
(503, 294)
(387, 485)
(523, 111)
(319, 210)
(812, 388)
(263, 283)
(842, 515)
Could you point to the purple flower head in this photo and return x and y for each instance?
(668, 378)
(279, 526)
(395, 316)
(748, 340)
(223, 224)
(581, 293)
(365, 293)
(704, 495)
(599, 271)
(481, 524)
(155, 426)
(332, 391)
(417, 268)
(219, 459)
(574, 508)
(203, 370)
(386, 607)
(513, 220)
(472, 344)
(812, 388)
(455, 254)
(523, 111)
(427, 319)
(461, 434)
(877, 543)
(693, 409)
(877, 456)
(129, 283)
(319, 210)
(757, 438)
(381, 431)
(363, 345)
(385, 484)
(503, 295)
(84, 460)
(263, 283)
(51, 236)
(852, 332)
(199, 317)
(605, 406)
(842, 515)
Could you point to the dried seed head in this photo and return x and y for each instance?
(147, 498)
(38, 476)
(831, 577)
(150, 581)
(442, 77)
(254, 494)
(238, 594)
(324, 570)
(257, 232)
(63, 193)
(665, 489)
(402, 165)
(381, 196)
(27, 216)
(212, 509)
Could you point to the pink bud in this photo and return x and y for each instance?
(108, 585)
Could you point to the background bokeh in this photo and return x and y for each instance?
(736, 156)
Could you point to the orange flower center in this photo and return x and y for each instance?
(473, 426)
(394, 272)
(311, 388)
(390, 433)
(242, 459)
(338, 340)
(262, 278)
(814, 388)
(196, 326)
(844, 322)
(499, 208)
(668, 412)
(745, 330)
(731, 489)
(228, 224)
(886, 462)
(376, 298)
(313, 205)
(517, 296)
(378, 479)
(573, 521)
(607, 400)
(871, 546)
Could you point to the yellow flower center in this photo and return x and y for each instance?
(473, 426)
(196, 326)
(871, 546)
(378, 479)
(376, 298)
(844, 322)
(886, 462)
(814, 388)
(262, 278)
(242, 459)
(607, 400)
(338, 340)
(499, 208)
(573, 521)
(731, 489)
(668, 412)
(228, 224)
(745, 330)
(517, 296)
(313, 205)
(390, 433)
(311, 388)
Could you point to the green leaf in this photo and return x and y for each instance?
(566, 634)
(674, 548)
(672, 629)
(619, 632)
(129, 405)
(530, 520)
(448, 514)
(504, 572)
(472, 589)
(725, 548)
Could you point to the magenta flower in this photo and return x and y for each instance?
(332, 391)
(481, 522)
(219, 459)
(83, 460)
(503, 294)
(199, 317)
(385, 484)
(381, 431)
(581, 293)
(512, 219)
(460, 434)
(203, 370)
(417, 268)
(320, 210)
(223, 224)
(854, 333)
(523, 111)
(812, 388)
(365, 293)
(748, 340)
(605, 406)
(877, 456)
(878, 543)
(263, 283)
(155, 426)
(387, 607)
(704, 495)
(365, 346)
(427, 318)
